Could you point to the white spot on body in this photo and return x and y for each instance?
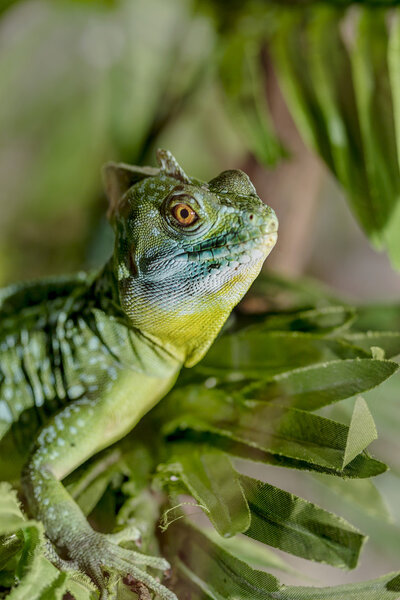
(75, 391)
(93, 343)
(5, 413)
(8, 393)
(112, 373)
(59, 422)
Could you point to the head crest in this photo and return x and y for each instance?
(120, 177)
(170, 166)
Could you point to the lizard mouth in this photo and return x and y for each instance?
(242, 251)
(219, 255)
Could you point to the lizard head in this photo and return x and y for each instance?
(185, 251)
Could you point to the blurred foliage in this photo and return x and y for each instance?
(339, 73)
(82, 83)
(85, 82)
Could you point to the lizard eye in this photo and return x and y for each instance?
(184, 214)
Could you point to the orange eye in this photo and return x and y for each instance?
(184, 214)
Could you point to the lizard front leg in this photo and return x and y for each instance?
(68, 439)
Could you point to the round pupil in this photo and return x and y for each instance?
(184, 213)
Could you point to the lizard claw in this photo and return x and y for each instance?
(97, 554)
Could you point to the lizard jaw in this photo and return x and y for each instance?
(254, 248)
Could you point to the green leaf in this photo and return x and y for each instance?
(362, 466)
(361, 493)
(79, 591)
(56, 590)
(335, 83)
(389, 341)
(214, 571)
(315, 386)
(242, 79)
(334, 88)
(287, 432)
(362, 431)
(34, 572)
(210, 478)
(394, 66)
(11, 517)
(380, 317)
(251, 552)
(205, 571)
(299, 527)
(325, 320)
(369, 60)
(289, 51)
(9, 547)
(383, 588)
(256, 353)
(293, 293)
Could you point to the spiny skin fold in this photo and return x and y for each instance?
(83, 359)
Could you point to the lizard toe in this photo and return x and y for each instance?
(128, 534)
(98, 556)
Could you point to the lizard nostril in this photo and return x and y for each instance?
(251, 217)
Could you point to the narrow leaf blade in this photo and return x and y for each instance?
(383, 588)
(299, 527)
(389, 341)
(213, 570)
(210, 478)
(312, 387)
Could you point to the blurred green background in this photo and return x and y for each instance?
(86, 82)
(305, 97)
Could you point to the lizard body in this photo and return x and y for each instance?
(82, 359)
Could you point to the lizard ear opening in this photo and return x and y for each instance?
(119, 177)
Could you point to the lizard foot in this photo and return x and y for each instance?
(98, 553)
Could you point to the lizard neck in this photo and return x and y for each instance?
(105, 290)
(182, 334)
(182, 324)
(106, 294)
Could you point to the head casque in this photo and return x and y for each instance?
(185, 251)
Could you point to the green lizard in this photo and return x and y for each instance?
(84, 358)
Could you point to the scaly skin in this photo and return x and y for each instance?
(87, 357)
